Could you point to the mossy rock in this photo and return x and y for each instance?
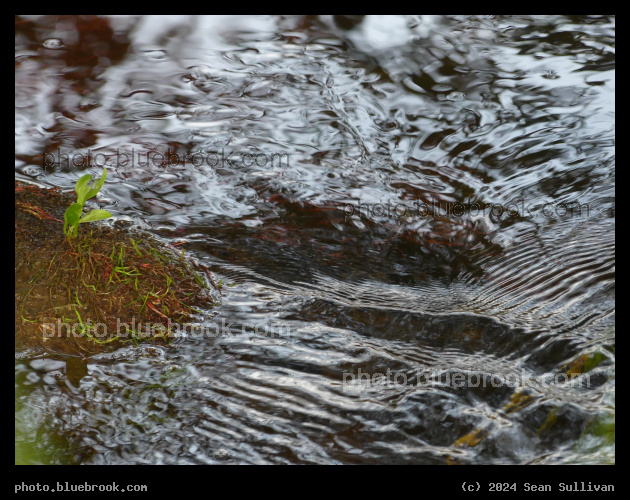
(105, 289)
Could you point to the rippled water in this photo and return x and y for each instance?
(442, 121)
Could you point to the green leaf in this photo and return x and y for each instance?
(97, 187)
(97, 214)
(71, 217)
(82, 189)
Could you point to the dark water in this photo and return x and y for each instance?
(488, 145)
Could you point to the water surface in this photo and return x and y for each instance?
(421, 196)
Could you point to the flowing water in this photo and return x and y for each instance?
(394, 202)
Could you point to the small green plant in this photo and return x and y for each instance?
(72, 217)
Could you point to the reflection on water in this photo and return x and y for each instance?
(421, 194)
